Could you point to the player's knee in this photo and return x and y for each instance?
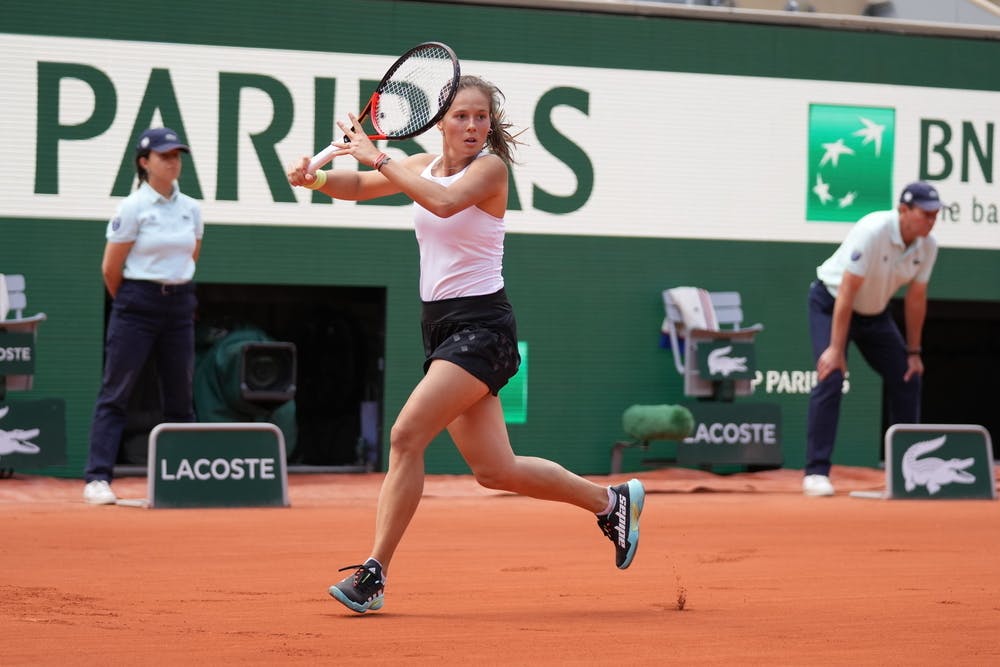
(494, 478)
(404, 439)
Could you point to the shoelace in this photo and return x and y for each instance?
(610, 531)
(364, 581)
(609, 523)
(350, 567)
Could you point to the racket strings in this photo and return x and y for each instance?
(414, 93)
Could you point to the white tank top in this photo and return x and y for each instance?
(461, 255)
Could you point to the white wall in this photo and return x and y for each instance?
(948, 11)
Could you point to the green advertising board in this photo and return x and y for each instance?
(939, 461)
(732, 433)
(32, 433)
(217, 465)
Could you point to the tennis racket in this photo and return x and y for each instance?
(410, 98)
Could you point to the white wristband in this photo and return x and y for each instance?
(320, 181)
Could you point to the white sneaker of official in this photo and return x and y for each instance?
(817, 485)
(98, 492)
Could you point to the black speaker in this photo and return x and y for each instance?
(268, 372)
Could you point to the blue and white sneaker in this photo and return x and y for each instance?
(621, 524)
(363, 590)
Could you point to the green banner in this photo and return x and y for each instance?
(514, 396)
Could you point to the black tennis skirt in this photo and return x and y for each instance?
(478, 333)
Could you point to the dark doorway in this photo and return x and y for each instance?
(961, 353)
(339, 338)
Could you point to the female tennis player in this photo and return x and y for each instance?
(469, 331)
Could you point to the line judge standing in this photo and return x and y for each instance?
(149, 260)
(884, 251)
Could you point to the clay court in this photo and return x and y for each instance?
(737, 569)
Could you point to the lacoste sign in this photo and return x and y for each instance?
(17, 353)
(726, 360)
(32, 433)
(732, 433)
(933, 461)
(217, 465)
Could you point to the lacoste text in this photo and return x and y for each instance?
(203, 469)
(15, 354)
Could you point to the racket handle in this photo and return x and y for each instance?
(322, 157)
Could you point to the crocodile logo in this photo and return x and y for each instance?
(933, 472)
(17, 441)
(719, 363)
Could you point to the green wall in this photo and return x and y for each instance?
(589, 307)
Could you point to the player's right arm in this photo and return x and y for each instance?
(347, 184)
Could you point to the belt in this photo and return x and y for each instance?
(182, 288)
(166, 289)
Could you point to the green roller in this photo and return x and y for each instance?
(658, 422)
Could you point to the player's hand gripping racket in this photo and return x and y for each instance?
(412, 96)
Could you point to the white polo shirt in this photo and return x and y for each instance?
(874, 249)
(165, 232)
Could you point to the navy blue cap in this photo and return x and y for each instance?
(922, 195)
(160, 140)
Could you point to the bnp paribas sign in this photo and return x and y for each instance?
(850, 162)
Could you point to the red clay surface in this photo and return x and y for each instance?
(740, 569)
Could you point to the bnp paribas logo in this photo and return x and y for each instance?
(850, 161)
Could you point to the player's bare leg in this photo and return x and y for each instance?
(481, 435)
(444, 392)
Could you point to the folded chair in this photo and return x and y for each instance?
(696, 316)
(12, 320)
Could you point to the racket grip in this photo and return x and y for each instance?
(322, 157)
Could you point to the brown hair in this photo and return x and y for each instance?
(140, 172)
(499, 141)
